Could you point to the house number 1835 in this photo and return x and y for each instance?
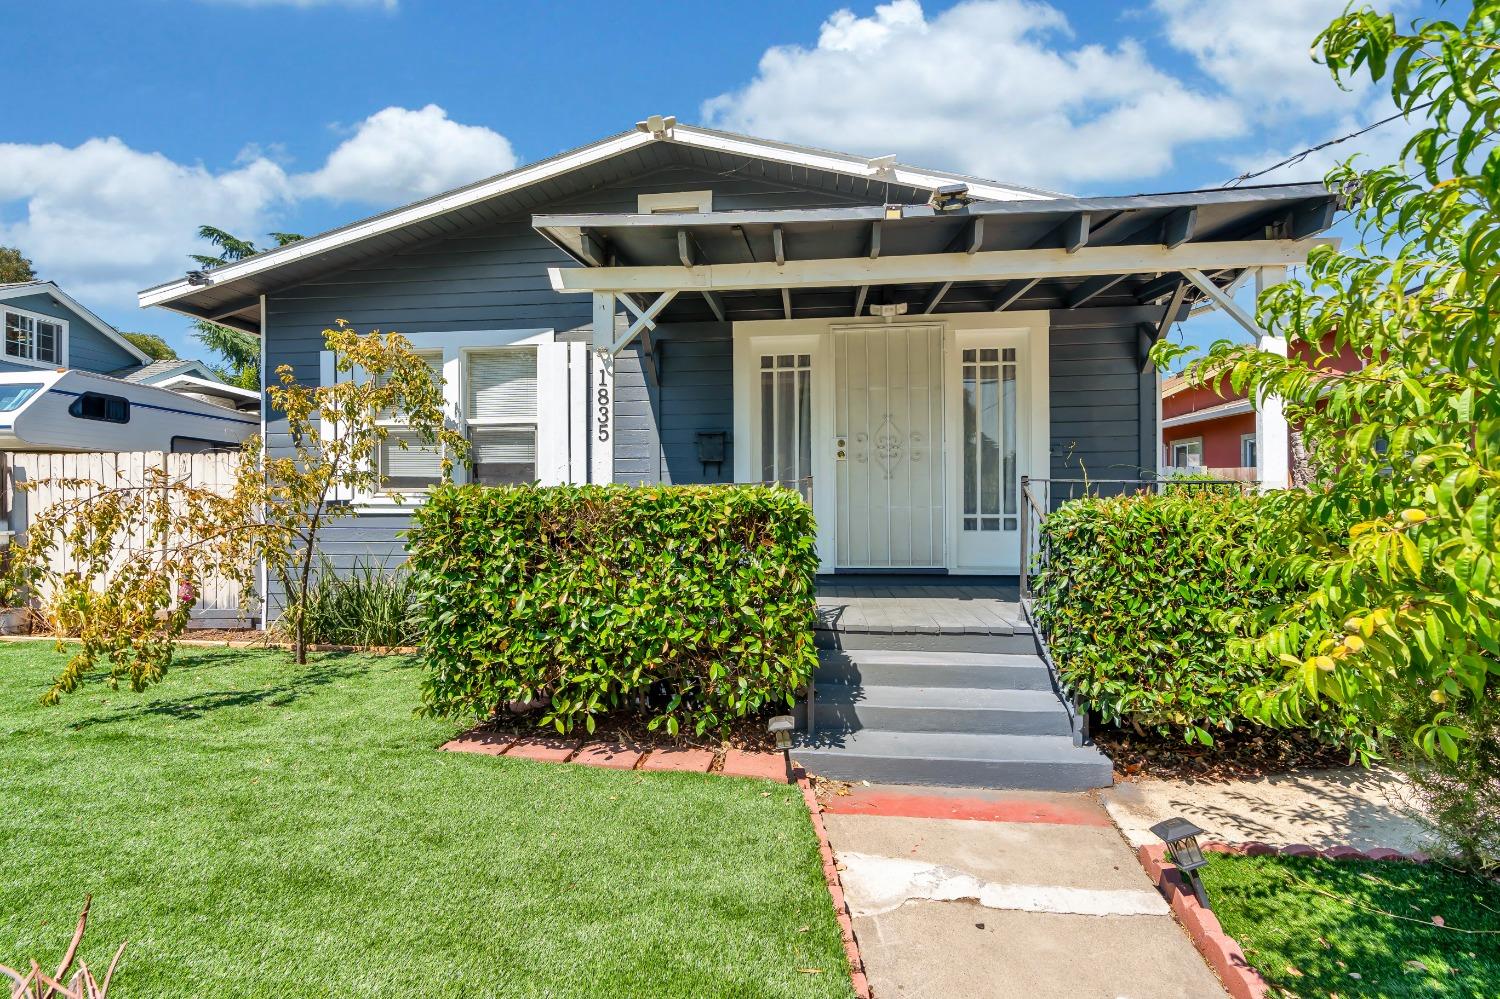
(602, 398)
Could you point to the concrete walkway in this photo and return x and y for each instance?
(1364, 809)
(959, 893)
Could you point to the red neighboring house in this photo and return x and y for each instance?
(1213, 429)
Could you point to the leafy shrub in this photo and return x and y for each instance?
(1132, 601)
(370, 607)
(696, 602)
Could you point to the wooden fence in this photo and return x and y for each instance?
(219, 603)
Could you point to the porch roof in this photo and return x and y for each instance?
(977, 257)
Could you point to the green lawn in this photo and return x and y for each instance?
(255, 828)
(1300, 939)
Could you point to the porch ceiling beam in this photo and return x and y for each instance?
(685, 248)
(932, 268)
(968, 239)
(593, 249)
(745, 238)
(1154, 290)
(1311, 217)
(1073, 232)
(1178, 227)
(715, 305)
(875, 239)
(1093, 288)
(1011, 293)
(1231, 308)
(859, 300)
(935, 296)
(786, 302)
(778, 241)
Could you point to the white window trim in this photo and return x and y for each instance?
(62, 345)
(1254, 443)
(690, 202)
(553, 426)
(1184, 442)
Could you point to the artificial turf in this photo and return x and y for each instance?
(1315, 927)
(257, 828)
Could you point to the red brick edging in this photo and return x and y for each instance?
(1222, 952)
(836, 889)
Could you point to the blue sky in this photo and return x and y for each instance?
(128, 124)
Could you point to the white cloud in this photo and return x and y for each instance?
(105, 220)
(992, 87)
(1261, 53)
(400, 155)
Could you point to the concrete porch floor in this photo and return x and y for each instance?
(920, 605)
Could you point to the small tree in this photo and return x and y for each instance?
(303, 482)
(122, 564)
(1400, 630)
(152, 346)
(14, 267)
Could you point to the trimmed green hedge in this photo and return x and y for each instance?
(694, 602)
(1131, 603)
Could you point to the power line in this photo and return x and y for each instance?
(1299, 157)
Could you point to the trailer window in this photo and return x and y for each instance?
(98, 406)
(12, 397)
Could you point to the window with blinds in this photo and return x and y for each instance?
(501, 414)
(406, 461)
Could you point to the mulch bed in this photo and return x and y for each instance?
(1233, 756)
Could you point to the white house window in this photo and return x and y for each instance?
(501, 414)
(33, 338)
(989, 406)
(499, 419)
(786, 418)
(406, 462)
(1188, 454)
(1247, 451)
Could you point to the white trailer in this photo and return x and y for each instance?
(71, 410)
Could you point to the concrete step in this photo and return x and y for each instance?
(1029, 762)
(844, 707)
(1020, 640)
(889, 668)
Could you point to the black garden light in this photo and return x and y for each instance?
(781, 727)
(1181, 837)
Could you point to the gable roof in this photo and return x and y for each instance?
(22, 289)
(159, 371)
(222, 292)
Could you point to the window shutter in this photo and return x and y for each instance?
(502, 385)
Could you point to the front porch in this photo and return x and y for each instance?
(919, 605)
(910, 363)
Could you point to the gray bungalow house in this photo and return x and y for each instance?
(678, 304)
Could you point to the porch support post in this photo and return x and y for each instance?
(1273, 462)
(602, 385)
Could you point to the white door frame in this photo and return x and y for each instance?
(1033, 405)
(1031, 331)
(747, 420)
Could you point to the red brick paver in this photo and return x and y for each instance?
(695, 760)
(767, 766)
(617, 755)
(487, 743)
(544, 750)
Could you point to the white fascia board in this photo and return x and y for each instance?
(419, 212)
(207, 386)
(851, 165)
(1213, 413)
(682, 134)
(928, 268)
(104, 328)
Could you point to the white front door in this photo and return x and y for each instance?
(987, 374)
(888, 429)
